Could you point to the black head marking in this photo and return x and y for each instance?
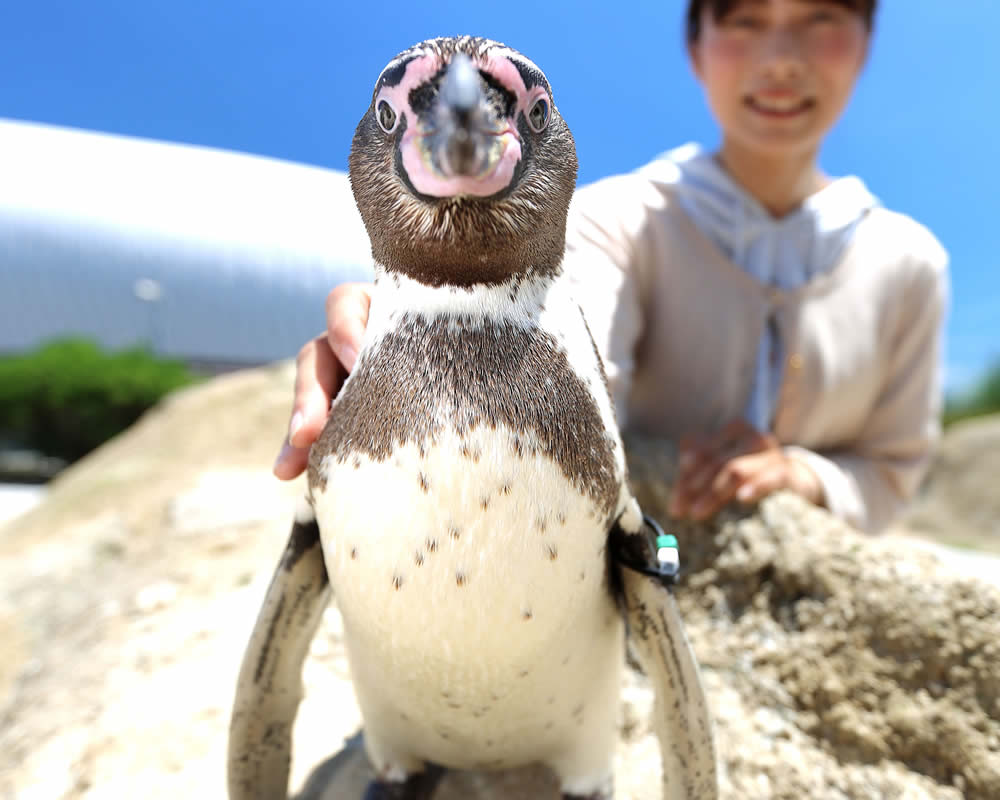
(393, 74)
(530, 74)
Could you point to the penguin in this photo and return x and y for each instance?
(462, 494)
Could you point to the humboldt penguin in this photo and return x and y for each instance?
(463, 491)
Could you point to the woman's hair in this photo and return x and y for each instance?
(719, 8)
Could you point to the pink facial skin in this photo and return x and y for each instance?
(504, 154)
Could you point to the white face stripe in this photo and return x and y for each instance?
(513, 55)
(396, 293)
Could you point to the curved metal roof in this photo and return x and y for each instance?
(209, 255)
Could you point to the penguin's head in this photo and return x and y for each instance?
(462, 166)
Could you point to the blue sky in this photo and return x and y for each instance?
(290, 79)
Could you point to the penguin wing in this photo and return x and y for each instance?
(269, 687)
(682, 718)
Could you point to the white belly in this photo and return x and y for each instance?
(472, 583)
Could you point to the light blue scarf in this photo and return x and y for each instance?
(785, 253)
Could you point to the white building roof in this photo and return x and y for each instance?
(210, 255)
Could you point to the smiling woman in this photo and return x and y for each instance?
(777, 75)
(779, 322)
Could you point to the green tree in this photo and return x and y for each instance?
(984, 398)
(69, 396)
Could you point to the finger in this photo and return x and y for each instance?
(701, 475)
(689, 450)
(688, 493)
(724, 485)
(730, 480)
(737, 471)
(291, 462)
(764, 483)
(690, 458)
(347, 309)
(318, 377)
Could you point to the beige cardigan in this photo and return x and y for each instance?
(678, 325)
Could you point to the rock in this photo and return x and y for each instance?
(958, 502)
(838, 666)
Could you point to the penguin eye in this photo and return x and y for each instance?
(538, 115)
(386, 116)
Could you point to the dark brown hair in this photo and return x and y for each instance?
(719, 8)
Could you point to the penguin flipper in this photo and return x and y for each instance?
(269, 687)
(681, 715)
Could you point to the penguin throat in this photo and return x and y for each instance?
(491, 261)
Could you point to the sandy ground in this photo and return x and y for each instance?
(839, 667)
(16, 499)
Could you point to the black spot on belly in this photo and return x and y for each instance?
(418, 558)
(432, 545)
(553, 552)
(397, 581)
(460, 579)
(425, 487)
(454, 532)
(526, 614)
(354, 553)
(431, 373)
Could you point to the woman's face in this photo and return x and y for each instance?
(778, 73)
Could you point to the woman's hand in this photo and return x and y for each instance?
(739, 462)
(320, 370)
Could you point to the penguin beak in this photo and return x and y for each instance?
(466, 142)
(462, 145)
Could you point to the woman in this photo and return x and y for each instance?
(781, 324)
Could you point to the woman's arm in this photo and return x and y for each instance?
(869, 483)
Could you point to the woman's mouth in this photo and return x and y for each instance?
(779, 105)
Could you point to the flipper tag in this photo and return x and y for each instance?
(661, 559)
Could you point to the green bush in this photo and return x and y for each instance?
(69, 396)
(983, 399)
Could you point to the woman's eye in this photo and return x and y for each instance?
(823, 15)
(538, 115)
(386, 116)
(744, 21)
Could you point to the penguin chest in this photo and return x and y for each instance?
(463, 488)
(472, 583)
